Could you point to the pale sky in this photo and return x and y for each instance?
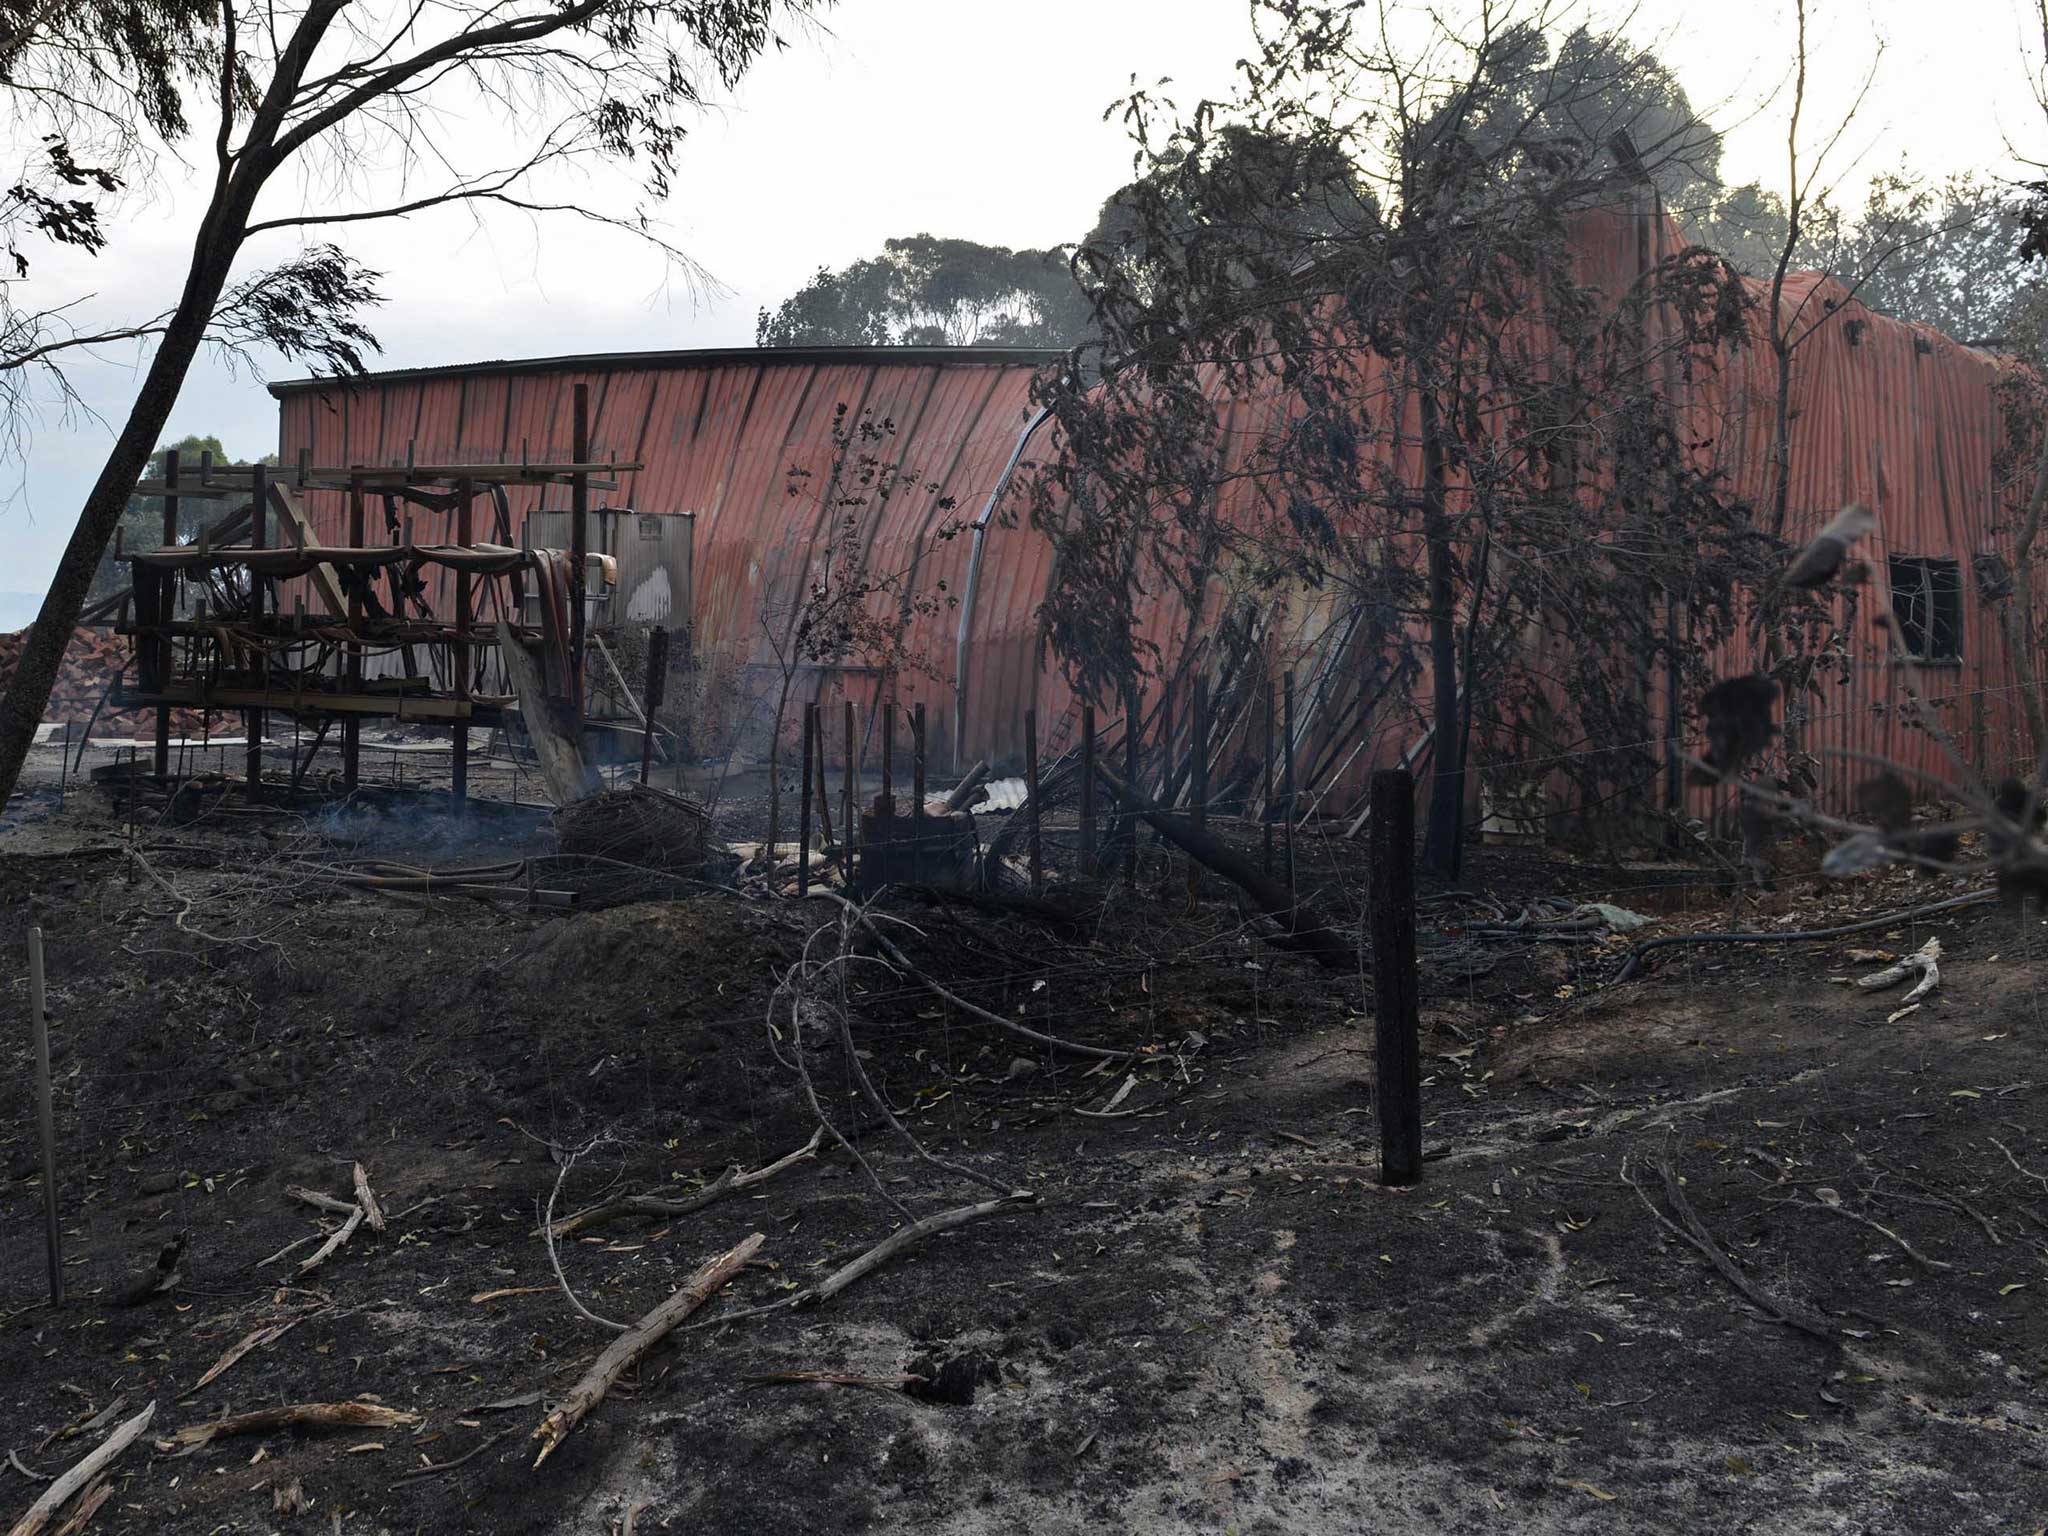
(965, 118)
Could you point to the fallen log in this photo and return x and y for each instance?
(342, 1415)
(1303, 929)
(629, 1346)
(89, 1467)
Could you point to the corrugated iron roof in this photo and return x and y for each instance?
(697, 357)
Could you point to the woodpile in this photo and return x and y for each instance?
(636, 824)
(92, 661)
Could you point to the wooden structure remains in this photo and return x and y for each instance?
(252, 612)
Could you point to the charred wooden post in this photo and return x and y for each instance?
(803, 809)
(1031, 796)
(465, 536)
(1127, 819)
(917, 765)
(163, 591)
(1088, 791)
(1395, 1004)
(1198, 781)
(1287, 774)
(654, 692)
(1266, 788)
(351, 726)
(687, 665)
(885, 804)
(253, 719)
(1165, 795)
(579, 548)
(849, 807)
(817, 715)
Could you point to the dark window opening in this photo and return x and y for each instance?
(1927, 603)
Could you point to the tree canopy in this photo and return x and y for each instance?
(354, 108)
(925, 291)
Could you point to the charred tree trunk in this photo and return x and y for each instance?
(221, 233)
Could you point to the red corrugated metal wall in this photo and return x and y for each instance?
(720, 435)
(1885, 412)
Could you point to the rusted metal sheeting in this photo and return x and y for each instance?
(746, 441)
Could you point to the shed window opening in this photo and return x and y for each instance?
(1927, 604)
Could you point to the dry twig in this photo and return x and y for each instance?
(1931, 1265)
(1693, 1231)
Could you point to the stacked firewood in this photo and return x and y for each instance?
(92, 661)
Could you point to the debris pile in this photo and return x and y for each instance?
(636, 824)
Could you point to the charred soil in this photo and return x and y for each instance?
(1213, 1318)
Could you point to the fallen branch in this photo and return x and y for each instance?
(628, 1347)
(1931, 1265)
(295, 1243)
(14, 1460)
(1694, 1232)
(88, 1468)
(241, 1347)
(907, 1237)
(328, 1249)
(88, 1422)
(730, 1182)
(313, 1197)
(642, 1205)
(373, 1213)
(1924, 960)
(343, 1415)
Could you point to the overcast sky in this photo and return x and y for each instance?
(966, 118)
